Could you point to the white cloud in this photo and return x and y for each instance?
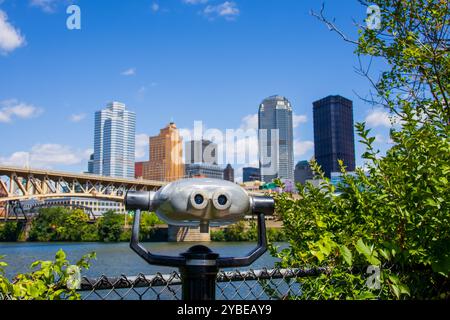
(227, 10)
(142, 146)
(47, 156)
(250, 122)
(194, 2)
(129, 72)
(155, 7)
(302, 147)
(48, 6)
(77, 117)
(10, 37)
(381, 139)
(297, 119)
(12, 108)
(379, 118)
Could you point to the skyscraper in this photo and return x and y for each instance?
(276, 139)
(114, 141)
(201, 151)
(201, 159)
(333, 133)
(228, 173)
(166, 156)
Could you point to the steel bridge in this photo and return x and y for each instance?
(17, 213)
(19, 184)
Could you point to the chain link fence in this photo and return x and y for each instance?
(264, 284)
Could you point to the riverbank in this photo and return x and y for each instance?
(63, 225)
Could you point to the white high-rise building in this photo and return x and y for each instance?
(114, 141)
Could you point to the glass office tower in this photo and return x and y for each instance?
(276, 139)
(114, 141)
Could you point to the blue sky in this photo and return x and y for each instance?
(187, 60)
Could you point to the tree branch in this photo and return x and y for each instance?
(331, 26)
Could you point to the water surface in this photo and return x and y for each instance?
(115, 259)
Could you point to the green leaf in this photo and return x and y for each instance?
(396, 290)
(362, 248)
(60, 255)
(404, 289)
(369, 254)
(346, 254)
(385, 253)
(318, 254)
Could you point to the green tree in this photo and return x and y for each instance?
(395, 214)
(10, 231)
(149, 220)
(90, 233)
(45, 226)
(74, 226)
(110, 226)
(236, 232)
(60, 224)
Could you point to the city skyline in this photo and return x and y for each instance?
(166, 70)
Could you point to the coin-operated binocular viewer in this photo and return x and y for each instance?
(203, 203)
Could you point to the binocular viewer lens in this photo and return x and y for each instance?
(199, 199)
(222, 200)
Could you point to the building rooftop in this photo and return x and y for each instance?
(277, 101)
(332, 99)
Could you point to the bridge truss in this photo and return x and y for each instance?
(19, 184)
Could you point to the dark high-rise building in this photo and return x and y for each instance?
(228, 173)
(91, 164)
(303, 172)
(251, 174)
(333, 133)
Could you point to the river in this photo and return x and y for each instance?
(114, 259)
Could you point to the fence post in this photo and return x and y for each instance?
(199, 274)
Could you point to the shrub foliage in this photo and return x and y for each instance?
(394, 214)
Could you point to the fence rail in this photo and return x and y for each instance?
(260, 284)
